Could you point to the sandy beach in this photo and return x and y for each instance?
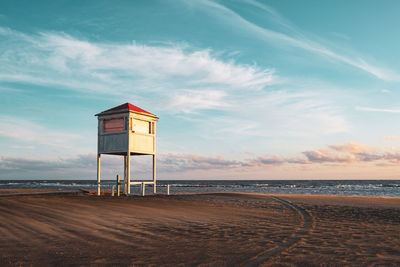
(219, 229)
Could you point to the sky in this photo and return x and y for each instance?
(243, 89)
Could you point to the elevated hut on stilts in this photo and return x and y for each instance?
(127, 130)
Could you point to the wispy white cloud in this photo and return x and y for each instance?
(177, 74)
(392, 137)
(22, 147)
(282, 113)
(183, 79)
(385, 110)
(188, 101)
(295, 38)
(9, 89)
(32, 133)
(60, 59)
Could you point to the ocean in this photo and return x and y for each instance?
(382, 188)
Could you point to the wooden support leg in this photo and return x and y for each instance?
(125, 173)
(154, 174)
(98, 173)
(128, 170)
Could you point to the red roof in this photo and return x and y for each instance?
(127, 107)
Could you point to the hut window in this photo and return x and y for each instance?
(114, 125)
(140, 126)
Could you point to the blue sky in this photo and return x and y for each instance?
(244, 89)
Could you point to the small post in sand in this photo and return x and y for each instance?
(98, 173)
(118, 186)
(167, 189)
(112, 190)
(143, 189)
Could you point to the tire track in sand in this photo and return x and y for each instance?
(298, 235)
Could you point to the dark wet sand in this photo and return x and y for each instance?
(207, 229)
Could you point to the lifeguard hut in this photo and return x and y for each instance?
(127, 130)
